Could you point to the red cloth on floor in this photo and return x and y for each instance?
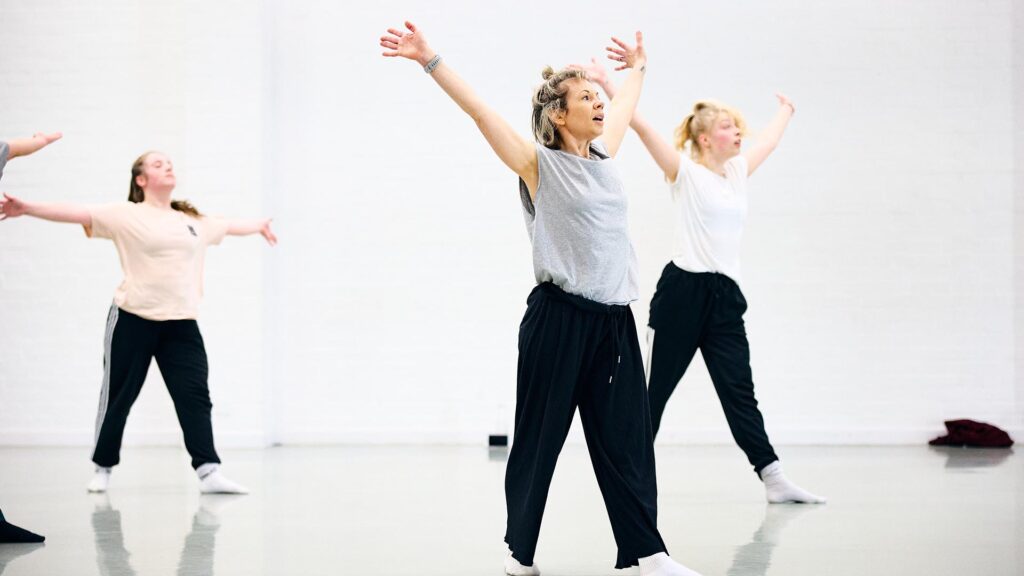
(971, 433)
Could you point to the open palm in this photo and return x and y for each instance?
(11, 207)
(409, 44)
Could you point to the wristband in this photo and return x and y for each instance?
(432, 64)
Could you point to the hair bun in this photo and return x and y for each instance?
(547, 72)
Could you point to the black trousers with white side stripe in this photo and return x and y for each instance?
(130, 345)
(704, 310)
(574, 352)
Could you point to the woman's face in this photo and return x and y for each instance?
(584, 116)
(724, 139)
(157, 173)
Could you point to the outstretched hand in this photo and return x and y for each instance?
(785, 101)
(409, 44)
(629, 56)
(11, 207)
(267, 233)
(48, 138)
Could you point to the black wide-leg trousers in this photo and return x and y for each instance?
(575, 352)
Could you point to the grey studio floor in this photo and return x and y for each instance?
(375, 510)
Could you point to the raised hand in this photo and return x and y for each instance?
(629, 56)
(409, 44)
(267, 233)
(597, 73)
(785, 101)
(11, 207)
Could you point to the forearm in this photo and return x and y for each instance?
(26, 146)
(55, 212)
(459, 91)
(244, 227)
(622, 107)
(514, 151)
(660, 150)
(777, 126)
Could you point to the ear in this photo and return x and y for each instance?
(557, 117)
(140, 180)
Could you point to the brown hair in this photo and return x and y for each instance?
(137, 194)
(550, 96)
(701, 121)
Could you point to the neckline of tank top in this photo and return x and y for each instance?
(588, 159)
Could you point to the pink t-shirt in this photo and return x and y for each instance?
(161, 253)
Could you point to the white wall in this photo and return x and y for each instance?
(882, 256)
(120, 78)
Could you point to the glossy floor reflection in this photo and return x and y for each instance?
(439, 510)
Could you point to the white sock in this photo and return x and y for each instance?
(778, 488)
(100, 480)
(661, 564)
(514, 568)
(211, 481)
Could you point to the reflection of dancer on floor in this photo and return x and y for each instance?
(698, 303)
(111, 555)
(9, 533)
(161, 243)
(754, 558)
(196, 554)
(577, 341)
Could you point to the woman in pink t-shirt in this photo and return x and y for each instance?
(161, 243)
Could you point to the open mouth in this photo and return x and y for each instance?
(599, 118)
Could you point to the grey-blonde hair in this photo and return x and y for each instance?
(701, 121)
(549, 97)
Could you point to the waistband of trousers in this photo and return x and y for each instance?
(549, 290)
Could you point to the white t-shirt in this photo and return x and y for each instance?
(710, 212)
(162, 253)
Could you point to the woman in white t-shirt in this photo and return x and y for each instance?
(698, 303)
(161, 243)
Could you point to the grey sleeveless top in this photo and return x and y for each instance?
(579, 228)
(4, 151)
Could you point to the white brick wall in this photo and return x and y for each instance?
(120, 78)
(882, 255)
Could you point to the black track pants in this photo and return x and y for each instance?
(131, 342)
(705, 310)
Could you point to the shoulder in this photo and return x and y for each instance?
(114, 209)
(737, 166)
(686, 166)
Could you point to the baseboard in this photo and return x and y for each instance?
(694, 437)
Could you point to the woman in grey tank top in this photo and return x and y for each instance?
(577, 341)
(9, 533)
